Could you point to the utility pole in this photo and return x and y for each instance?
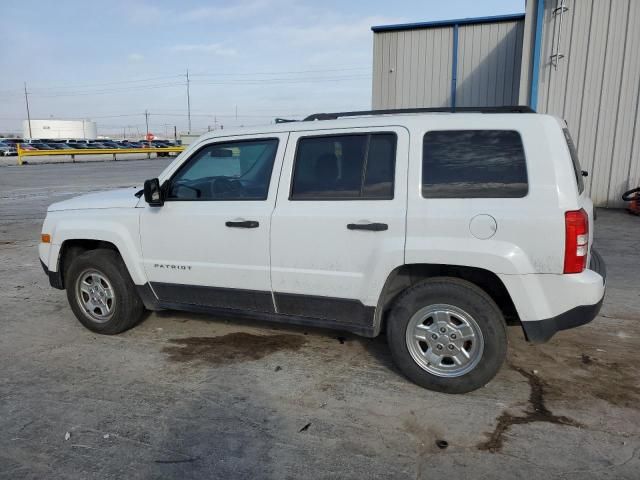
(146, 118)
(175, 132)
(188, 103)
(26, 99)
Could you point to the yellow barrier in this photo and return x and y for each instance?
(94, 151)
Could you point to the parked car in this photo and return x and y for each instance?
(60, 146)
(41, 146)
(13, 141)
(436, 228)
(78, 145)
(111, 144)
(7, 149)
(26, 146)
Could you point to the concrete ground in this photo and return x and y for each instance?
(191, 396)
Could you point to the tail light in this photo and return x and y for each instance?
(576, 244)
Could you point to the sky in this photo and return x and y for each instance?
(249, 61)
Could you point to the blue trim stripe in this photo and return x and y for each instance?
(454, 67)
(449, 23)
(535, 70)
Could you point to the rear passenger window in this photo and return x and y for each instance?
(473, 164)
(345, 167)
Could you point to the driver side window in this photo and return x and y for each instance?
(238, 170)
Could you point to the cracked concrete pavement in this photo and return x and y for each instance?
(185, 395)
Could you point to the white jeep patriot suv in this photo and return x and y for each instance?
(437, 228)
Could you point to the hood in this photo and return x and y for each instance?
(120, 198)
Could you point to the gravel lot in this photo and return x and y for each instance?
(192, 396)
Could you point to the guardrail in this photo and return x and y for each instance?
(95, 151)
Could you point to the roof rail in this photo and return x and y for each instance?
(502, 109)
(284, 120)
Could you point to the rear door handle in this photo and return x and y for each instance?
(374, 227)
(243, 224)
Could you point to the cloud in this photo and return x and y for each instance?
(329, 31)
(237, 10)
(135, 57)
(150, 14)
(207, 48)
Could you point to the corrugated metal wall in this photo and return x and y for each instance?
(413, 68)
(596, 87)
(489, 64)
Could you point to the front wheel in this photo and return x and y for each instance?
(447, 335)
(101, 292)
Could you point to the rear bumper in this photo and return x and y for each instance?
(541, 331)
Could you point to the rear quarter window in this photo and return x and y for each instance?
(473, 164)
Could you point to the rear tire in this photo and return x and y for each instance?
(101, 293)
(447, 335)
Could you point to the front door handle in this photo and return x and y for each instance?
(243, 224)
(374, 227)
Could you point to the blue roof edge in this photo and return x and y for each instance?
(448, 23)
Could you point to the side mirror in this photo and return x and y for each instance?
(153, 194)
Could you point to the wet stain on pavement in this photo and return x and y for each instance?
(537, 412)
(234, 347)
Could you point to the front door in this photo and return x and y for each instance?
(208, 245)
(338, 229)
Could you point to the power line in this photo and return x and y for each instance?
(283, 80)
(281, 72)
(108, 91)
(37, 90)
(120, 82)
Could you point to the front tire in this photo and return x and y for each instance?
(447, 335)
(101, 292)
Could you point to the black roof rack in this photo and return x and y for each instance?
(284, 120)
(502, 109)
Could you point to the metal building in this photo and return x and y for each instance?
(578, 59)
(467, 62)
(52, 128)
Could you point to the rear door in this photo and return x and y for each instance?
(338, 228)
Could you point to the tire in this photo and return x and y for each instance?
(117, 307)
(471, 321)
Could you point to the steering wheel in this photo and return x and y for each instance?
(223, 185)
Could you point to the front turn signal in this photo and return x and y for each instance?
(45, 238)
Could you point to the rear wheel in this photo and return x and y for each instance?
(448, 335)
(101, 292)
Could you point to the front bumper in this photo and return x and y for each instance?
(542, 330)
